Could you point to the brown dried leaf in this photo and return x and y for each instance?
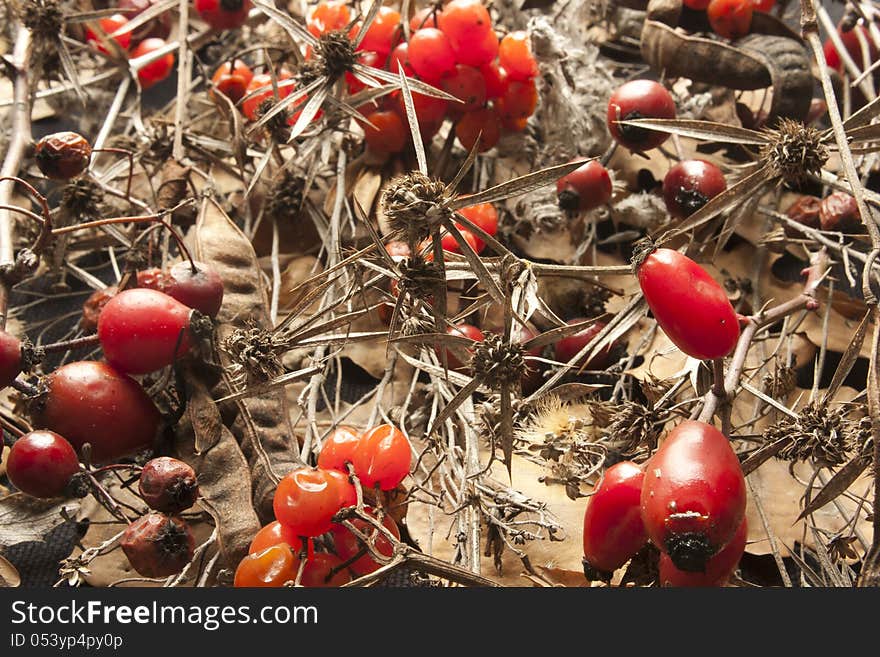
(9, 577)
(24, 518)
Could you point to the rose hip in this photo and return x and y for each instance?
(168, 485)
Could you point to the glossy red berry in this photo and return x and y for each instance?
(483, 215)
(223, 14)
(585, 188)
(328, 16)
(344, 488)
(367, 58)
(41, 464)
(689, 305)
(382, 33)
(567, 348)
(232, 80)
(158, 545)
(464, 20)
(62, 155)
(110, 24)
(158, 27)
(91, 402)
(694, 495)
(306, 500)
(271, 567)
(168, 485)
(462, 331)
(323, 570)
(201, 290)
(157, 70)
(496, 80)
(424, 17)
(517, 104)
(338, 449)
(387, 134)
(613, 529)
(515, 56)
(451, 245)
(689, 185)
(430, 112)
(764, 6)
(382, 457)
(400, 55)
(274, 534)
(10, 358)
(731, 19)
(347, 545)
(719, 567)
(468, 85)
(431, 55)
(639, 99)
(480, 125)
(481, 52)
(143, 330)
(852, 41)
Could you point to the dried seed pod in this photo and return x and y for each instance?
(794, 151)
(413, 204)
(168, 485)
(805, 211)
(839, 211)
(62, 155)
(158, 545)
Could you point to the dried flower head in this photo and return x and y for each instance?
(284, 201)
(45, 18)
(415, 204)
(255, 353)
(81, 198)
(631, 428)
(420, 279)
(277, 126)
(794, 150)
(781, 383)
(498, 362)
(817, 433)
(335, 55)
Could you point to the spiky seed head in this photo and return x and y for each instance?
(818, 432)
(45, 18)
(794, 150)
(414, 205)
(420, 279)
(498, 362)
(336, 54)
(286, 197)
(277, 126)
(81, 198)
(255, 353)
(631, 428)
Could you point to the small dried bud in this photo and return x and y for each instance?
(839, 211)
(498, 362)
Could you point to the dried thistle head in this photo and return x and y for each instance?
(45, 18)
(286, 197)
(415, 204)
(255, 353)
(498, 362)
(420, 279)
(631, 428)
(81, 198)
(794, 150)
(335, 55)
(780, 383)
(818, 433)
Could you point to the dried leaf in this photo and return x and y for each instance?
(24, 518)
(838, 484)
(9, 577)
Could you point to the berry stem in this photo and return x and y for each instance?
(67, 345)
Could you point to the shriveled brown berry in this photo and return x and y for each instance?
(158, 545)
(839, 211)
(805, 211)
(62, 155)
(92, 308)
(168, 485)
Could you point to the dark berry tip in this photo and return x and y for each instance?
(689, 551)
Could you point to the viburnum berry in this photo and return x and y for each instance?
(10, 358)
(430, 112)
(110, 24)
(328, 16)
(424, 17)
(464, 20)
(92, 402)
(387, 134)
(451, 245)
(223, 14)
(431, 55)
(367, 58)
(613, 529)
(719, 567)
(41, 464)
(585, 188)
(232, 80)
(694, 495)
(158, 545)
(324, 570)
(382, 457)
(344, 488)
(689, 185)
(468, 85)
(62, 155)
(495, 79)
(347, 545)
(567, 348)
(338, 449)
(639, 99)
(274, 534)
(158, 27)
(168, 485)
(400, 56)
(271, 567)
(200, 290)
(382, 33)
(157, 70)
(481, 125)
(463, 331)
(688, 304)
(251, 107)
(483, 215)
(852, 41)
(143, 330)
(517, 104)
(731, 19)
(306, 500)
(515, 56)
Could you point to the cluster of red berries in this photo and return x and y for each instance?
(689, 500)
(306, 502)
(730, 19)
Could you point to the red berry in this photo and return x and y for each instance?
(158, 27)
(853, 44)
(268, 568)
(613, 528)
(464, 20)
(730, 18)
(251, 107)
(400, 55)
(694, 495)
(232, 80)
(94, 304)
(382, 457)
(451, 245)
(201, 290)
(338, 449)
(62, 155)
(515, 56)
(168, 485)
(468, 85)
(430, 112)
(764, 6)
(533, 378)
(306, 500)
(10, 358)
(367, 58)
(639, 99)
(424, 17)
(463, 331)
(389, 135)
(273, 534)
(223, 14)
(719, 567)
(483, 215)
(517, 104)
(158, 545)
(143, 330)
(698, 5)
(430, 54)
(328, 16)
(319, 571)
(41, 464)
(479, 52)
(382, 33)
(480, 124)
(110, 24)
(585, 188)
(689, 305)
(91, 402)
(567, 348)
(347, 545)
(344, 488)
(157, 70)
(496, 80)
(689, 185)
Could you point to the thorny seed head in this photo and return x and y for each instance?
(44, 18)
(781, 383)
(276, 126)
(630, 428)
(81, 198)
(820, 433)
(285, 200)
(420, 279)
(794, 150)
(498, 362)
(335, 55)
(415, 204)
(255, 353)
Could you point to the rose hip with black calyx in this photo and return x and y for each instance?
(689, 185)
(639, 99)
(839, 211)
(158, 545)
(585, 188)
(168, 485)
(719, 567)
(41, 463)
(223, 14)
(62, 155)
(10, 358)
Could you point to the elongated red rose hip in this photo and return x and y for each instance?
(694, 495)
(688, 304)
